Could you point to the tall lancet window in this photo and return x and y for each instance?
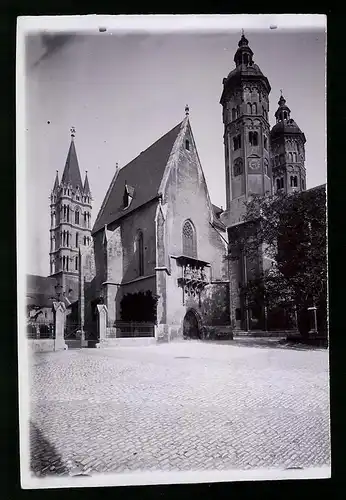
(189, 240)
(140, 250)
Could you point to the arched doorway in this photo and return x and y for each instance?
(191, 325)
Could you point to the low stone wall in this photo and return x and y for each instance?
(128, 342)
(259, 333)
(41, 345)
(222, 332)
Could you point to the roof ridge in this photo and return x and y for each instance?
(144, 173)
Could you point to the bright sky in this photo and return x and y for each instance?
(123, 92)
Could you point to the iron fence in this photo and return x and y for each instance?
(41, 329)
(72, 330)
(123, 329)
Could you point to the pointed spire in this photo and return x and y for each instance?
(86, 187)
(56, 182)
(71, 173)
(187, 110)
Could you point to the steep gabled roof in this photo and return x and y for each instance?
(143, 174)
(71, 172)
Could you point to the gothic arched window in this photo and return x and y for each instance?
(290, 157)
(63, 262)
(254, 109)
(140, 249)
(238, 167)
(77, 240)
(76, 263)
(253, 138)
(189, 240)
(236, 142)
(76, 217)
(295, 156)
(249, 108)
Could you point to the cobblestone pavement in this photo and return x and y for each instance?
(183, 406)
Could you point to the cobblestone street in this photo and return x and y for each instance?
(180, 406)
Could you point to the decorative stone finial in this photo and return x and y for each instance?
(187, 110)
(73, 132)
(242, 32)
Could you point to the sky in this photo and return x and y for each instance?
(123, 91)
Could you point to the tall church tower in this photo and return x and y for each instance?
(246, 133)
(287, 152)
(245, 103)
(70, 225)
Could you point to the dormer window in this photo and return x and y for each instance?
(187, 144)
(128, 196)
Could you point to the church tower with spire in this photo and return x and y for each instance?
(245, 103)
(287, 152)
(70, 205)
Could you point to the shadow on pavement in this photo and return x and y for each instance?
(44, 459)
(264, 343)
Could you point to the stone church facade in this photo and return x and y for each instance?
(157, 231)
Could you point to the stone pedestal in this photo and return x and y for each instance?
(102, 324)
(59, 308)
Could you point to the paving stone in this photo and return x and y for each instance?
(140, 408)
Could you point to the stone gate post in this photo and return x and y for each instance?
(59, 318)
(102, 323)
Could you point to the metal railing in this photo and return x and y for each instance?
(124, 329)
(40, 329)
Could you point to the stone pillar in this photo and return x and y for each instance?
(81, 298)
(102, 323)
(59, 317)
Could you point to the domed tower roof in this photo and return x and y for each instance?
(245, 68)
(284, 123)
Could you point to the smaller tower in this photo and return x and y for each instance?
(287, 152)
(70, 224)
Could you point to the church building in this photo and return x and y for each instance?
(159, 237)
(159, 249)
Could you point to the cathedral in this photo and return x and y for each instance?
(158, 250)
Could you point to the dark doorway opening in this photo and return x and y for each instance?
(191, 325)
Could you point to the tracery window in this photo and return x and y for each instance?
(189, 240)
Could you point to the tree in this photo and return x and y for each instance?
(140, 306)
(290, 229)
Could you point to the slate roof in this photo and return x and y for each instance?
(216, 217)
(71, 172)
(143, 174)
(56, 182)
(86, 185)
